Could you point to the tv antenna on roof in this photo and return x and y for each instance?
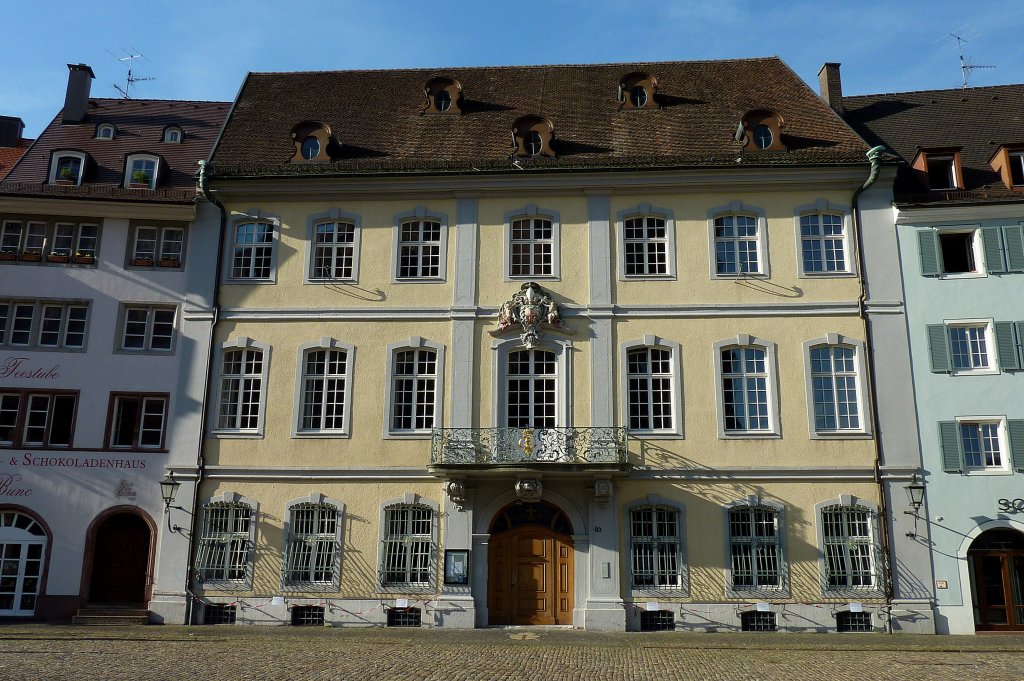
(131, 79)
(966, 67)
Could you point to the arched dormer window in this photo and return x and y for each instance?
(312, 141)
(444, 96)
(532, 136)
(67, 167)
(141, 171)
(636, 91)
(173, 135)
(106, 131)
(763, 131)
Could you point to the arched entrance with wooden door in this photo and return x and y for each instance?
(530, 565)
(996, 562)
(120, 557)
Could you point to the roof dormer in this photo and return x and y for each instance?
(1008, 161)
(939, 167)
(311, 139)
(444, 96)
(762, 131)
(106, 131)
(532, 136)
(67, 167)
(636, 91)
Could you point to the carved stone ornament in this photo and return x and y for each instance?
(529, 308)
(529, 489)
(456, 490)
(603, 489)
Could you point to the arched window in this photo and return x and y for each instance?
(105, 131)
(141, 171)
(22, 558)
(173, 135)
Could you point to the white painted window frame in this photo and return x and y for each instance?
(327, 344)
(234, 499)
(563, 350)
(240, 343)
(675, 350)
(771, 384)
(11, 534)
(420, 213)
(863, 406)
(646, 210)
(531, 212)
(105, 126)
(413, 343)
(320, 500)
(130, 160)
(332, 216)
(1006, 464)
(151, 310)
(738, 208)
(780, 591)
(161, 242)
(977, 246)
(253, 215)
(55, 157)
(991, 348)
(849, 250)
(877, 590)
(36, 328)
(410, 499)
(655, 501)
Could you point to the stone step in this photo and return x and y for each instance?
(110, 620)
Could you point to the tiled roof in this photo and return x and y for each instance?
(140, 124)
(10, 155)
(377, 117)
(977, 119)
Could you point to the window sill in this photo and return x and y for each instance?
(387, 590)
(419, 280)
(740, 276)
(827, 275)
(981, 472)
(659, 593)
(987, 371)
(321, 435)
(158, 353)
(135, 450)
(237, 434)
(531, 277)
(250, 281)
(322, 281)
(766, 593)
(411, 435)
(962, 275)
(648, 277)
(41, 348)
(842, 435)
(655, 434)
(215, 585)
(748, 435)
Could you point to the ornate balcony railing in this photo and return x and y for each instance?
(518, 446)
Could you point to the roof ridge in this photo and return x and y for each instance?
(937, 90)
(161, 101)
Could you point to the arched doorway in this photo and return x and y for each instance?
(530, 565)
(121, 544)
(996, 561)
(22, 559)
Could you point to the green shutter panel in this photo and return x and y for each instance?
(939, 350)
(929, 246)
(1020, 342)
(1015, 427)
(1007, 345)
(993, 245)
(949, 439)
(1013, 237)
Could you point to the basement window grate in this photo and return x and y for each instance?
(219, 614)
(307, 616)
(758, 621)
(404, 617)
(657, 620)
(853, 621)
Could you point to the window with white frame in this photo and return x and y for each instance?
(37, 418)
(67, 167)
(141, 171)
(419, 249)
(148, 328)
(531, 247)
(974, 346)
(407, 550)
(982, 444)
(655, 547)
(158, 244)
(848, 547)
(1017, 168)
(531, 389)
(649, 383)
(325, 389)
(43, 324)
(413, 389)
(172, 134)
(225, 542)
(79, 240)
(241, 389)
(737, 245)
(834, 388)
(312, 552)
(823, 243)
(23, 551)
(60, 239)
(334, 251)
(252, 251)
(105, 131)
(970, 346)
(745, 386)
(646, 246)
(755, 548)
(137, 421)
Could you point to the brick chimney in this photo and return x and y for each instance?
(831, 86)
(76, 102)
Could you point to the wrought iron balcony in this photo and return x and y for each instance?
(483, 447)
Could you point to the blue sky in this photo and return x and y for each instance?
(202, 50)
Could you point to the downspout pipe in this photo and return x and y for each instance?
(875, 159)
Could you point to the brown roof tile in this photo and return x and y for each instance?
(10, 155)
(376, 116)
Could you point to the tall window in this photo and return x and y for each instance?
(252, 250)
(849, 548)
(312, 548)
(419, 249)
(982, 444)
(531, 389)
(646, 246)
(823, 243)
(36, 418)
(22, 556)
(834, 388)
(413, 389)
(736, 245)
(241, 389)
(406, 553)
(649, 382)
(137, 421)
(756, 555)
(334, 250)
(43, 324)
(225, 543)
(745, 389)
(148, 328)
(981, 447)
(324, 384)
(75, 239)
(531, 247)
(654, 548)
(969, 347)
(141, 171)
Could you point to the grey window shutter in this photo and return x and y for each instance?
(993, 245)
(1013, 237)
(1020, 342)
(949, 439)
(939, 350)
(929, 247)
(1015, 427)
(1007, 345)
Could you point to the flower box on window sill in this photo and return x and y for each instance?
(65, 183)
(83, 259)
(31, 256)
(138, 185)
(170, 262)
(58, 258)
(142, 262)
(8, 255)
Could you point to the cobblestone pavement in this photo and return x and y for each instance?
(39, 651)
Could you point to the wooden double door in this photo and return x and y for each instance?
(999, 585)
(530, 577)
(120, 565)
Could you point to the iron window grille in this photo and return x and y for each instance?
(853, 622)
(649, 381)
(219, 614)
(657, 620)
(414, 382)
(225, 543)
(307, 616)
(407, 545)
(745, 389)
(532, 247)
(324, 378)
(419, 249)
(333, 250)
(849, 547)
(646, 246)
(43, 324)
(823, 243)
(312, 550)
(736, 245)
(252, 250)
(756, 554)
(755, 620)
(531, 389)
(654, 548)
(241, 386)
(404, 617)
(834, 385)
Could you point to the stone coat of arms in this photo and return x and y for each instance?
(529, 308)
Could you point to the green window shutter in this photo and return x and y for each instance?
(939, 350)
(1007, 346)
(1015, 427)
(929, 246)
(993, 245)
(1013, 237)
(1020, 342)
(949, 439)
